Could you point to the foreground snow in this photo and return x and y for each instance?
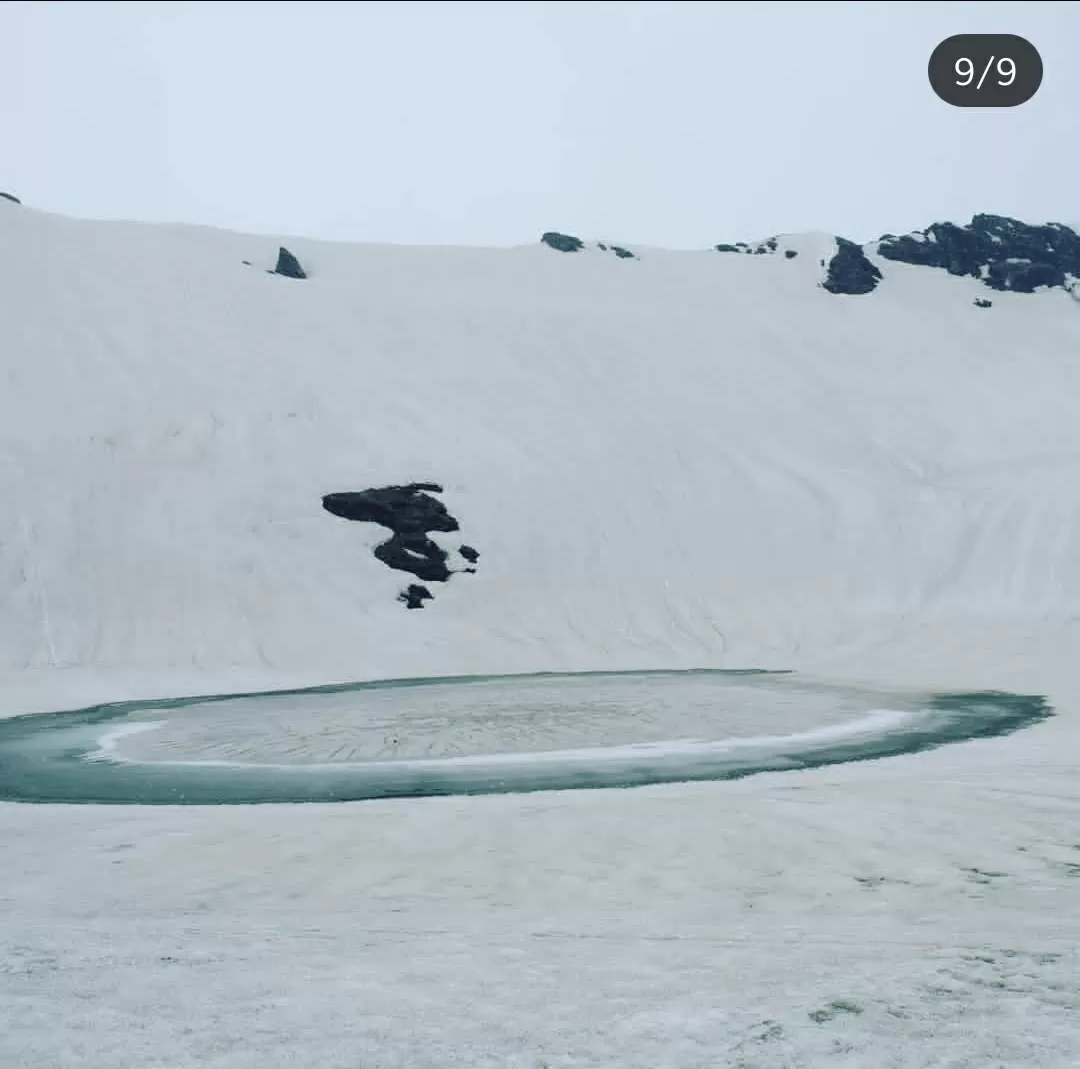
(915, 912)
(682, 461)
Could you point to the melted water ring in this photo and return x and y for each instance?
(58, 757)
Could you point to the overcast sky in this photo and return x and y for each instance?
(673, 124)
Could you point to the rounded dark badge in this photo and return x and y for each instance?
(985, 70)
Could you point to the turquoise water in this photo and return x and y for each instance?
(478, 735)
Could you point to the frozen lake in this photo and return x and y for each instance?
(479, 735)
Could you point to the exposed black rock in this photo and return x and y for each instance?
(10, 196)
(982, 302)
(762, 248)
(850, 271)
(1005, 253)
(414, 596)
(288, 265)
(418, 555)
(562, 242)
(409, 513)
(1024, 277)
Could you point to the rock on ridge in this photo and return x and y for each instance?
(1005, 253)
(288, 265)
(850, 270)
(562, 242)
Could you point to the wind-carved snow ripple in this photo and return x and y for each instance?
(479, 735)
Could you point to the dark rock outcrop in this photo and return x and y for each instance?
(562, 242)
(982, 302)
(410, 513)
(288, 265)
(414, 596)
(10, 196)
(850, 271)
(1005, 253)
(762, 248)
(1024, 278)
(620, 252)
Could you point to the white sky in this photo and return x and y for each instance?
(677, 124)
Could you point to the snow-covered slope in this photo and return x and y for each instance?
(676, 459)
